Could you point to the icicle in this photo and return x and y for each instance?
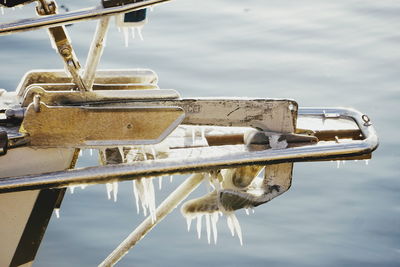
(230, 224)
(236, 226)
(91, 152)
(115, 190)
(2, 10)
(151, 199)
(252, 210)
(151, 8)
(109, 189)
(199, 225)
(171, 177)
(57, 211)
(135, 193)
(203, 133)
(160, 182)
(71, 189)
(133, 32)
(83, 186)
(189, 222)
(139, 30)
(344, 162)
(338, 164)
(121, 152)
(144, 153)
(214, 220)
(366, 162)
(126, 36)
(193, 135)
(80, 153)
(153, 152)
(208, 227)
(247, 211)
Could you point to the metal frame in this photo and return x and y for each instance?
(214, 158)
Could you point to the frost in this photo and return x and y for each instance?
(275, 143)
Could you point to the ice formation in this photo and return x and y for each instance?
(209, 207)
(57, 211)
(71, 189)
(275, 143)
(211, 220)
(143, 190)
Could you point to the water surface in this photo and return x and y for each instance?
(320, 53)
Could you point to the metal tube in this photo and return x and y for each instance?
(95, 52)
(73, 16)
(168, 205)
(216, 158)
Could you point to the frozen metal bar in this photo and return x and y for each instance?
(214, 158)
(166, 207)
(95, 52)
(73, 16)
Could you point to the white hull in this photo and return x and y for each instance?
(16, 207)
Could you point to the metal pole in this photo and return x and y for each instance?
(62, 42)
(169, 204)
(95, 52)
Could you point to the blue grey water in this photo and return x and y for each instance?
(320, 53)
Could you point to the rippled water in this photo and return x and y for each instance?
(320, 53)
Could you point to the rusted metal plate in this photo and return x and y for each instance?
(275, 115)
(87, 126)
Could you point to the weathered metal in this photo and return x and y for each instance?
(59, 98)
(86, 126)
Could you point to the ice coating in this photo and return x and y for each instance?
(275, 143)
(240, 188)
(209, 206)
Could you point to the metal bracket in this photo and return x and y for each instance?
(61, 41)
(84, 126)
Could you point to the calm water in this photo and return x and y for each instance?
(320, 53)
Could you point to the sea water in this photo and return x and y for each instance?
(320, 53)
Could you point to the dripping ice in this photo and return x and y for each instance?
(210, 221)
